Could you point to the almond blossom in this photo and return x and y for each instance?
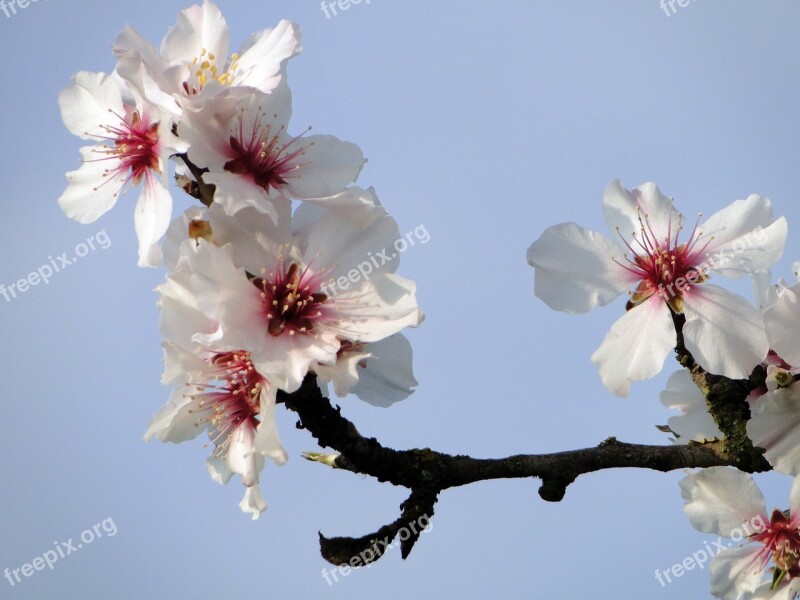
(377, 372)
(270, 301)
(241, 137)
(727, 502)
(218, 392)
(775, 421)
(133, 145)
(193, 63)
(668, 269)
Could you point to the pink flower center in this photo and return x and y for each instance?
(266, 157)
(230, 398)
(136, 147)
(292, 303)
(664, 266)
(781, 540)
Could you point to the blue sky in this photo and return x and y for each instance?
(485, 122)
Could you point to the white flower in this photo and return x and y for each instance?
(241, 137)
(292, 305)
(133, 146)
(694, 423)
(378, 372)
(193, 62)
(217, 392)
(775, 426)
(782, 322)
(727, 502)
(577, 269)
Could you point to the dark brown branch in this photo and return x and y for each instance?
(427, 472)
(198, 188)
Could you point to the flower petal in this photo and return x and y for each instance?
(776, 428)
(575, 269)
(626, 211)
(91, 191)
(719, 347)
(722, 500)
(326, 166)
(636, 346)
(85, 104)
(198, 28)
(782, 322)
(735, 572)
(263, 55)
(153, 213)
(253, 502)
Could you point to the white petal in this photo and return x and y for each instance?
(695, 423)
(636, 346)
(85, 104)
(782, 322)
(738, 219)
(756, 250)
(735, 572)
(225, 295)
(377, 308)
(252, 502)
(256, 238)
(764, 291)
(218, 470)
(722, 500)
(267, 441)
(153, 214)
(181, 317)
(198, 28)
(326, 167)
(177, 234)
(350, 236)
(776, 428)
(717, 346)
(242, 457)
(91, 191)
(576, 268)
(794, 500)
(235, 193)
(626, 211)
(388, 376)
(262, 56)
(176, 420)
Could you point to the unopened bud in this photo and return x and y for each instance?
(325, 459)
(783, 378)
(200, 229)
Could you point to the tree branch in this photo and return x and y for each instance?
(427, 472)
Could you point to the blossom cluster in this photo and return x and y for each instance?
(244, 313)
(666, 273)
(267, 282)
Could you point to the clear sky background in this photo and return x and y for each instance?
(485, 122)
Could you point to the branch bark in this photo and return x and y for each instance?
(427, 472)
